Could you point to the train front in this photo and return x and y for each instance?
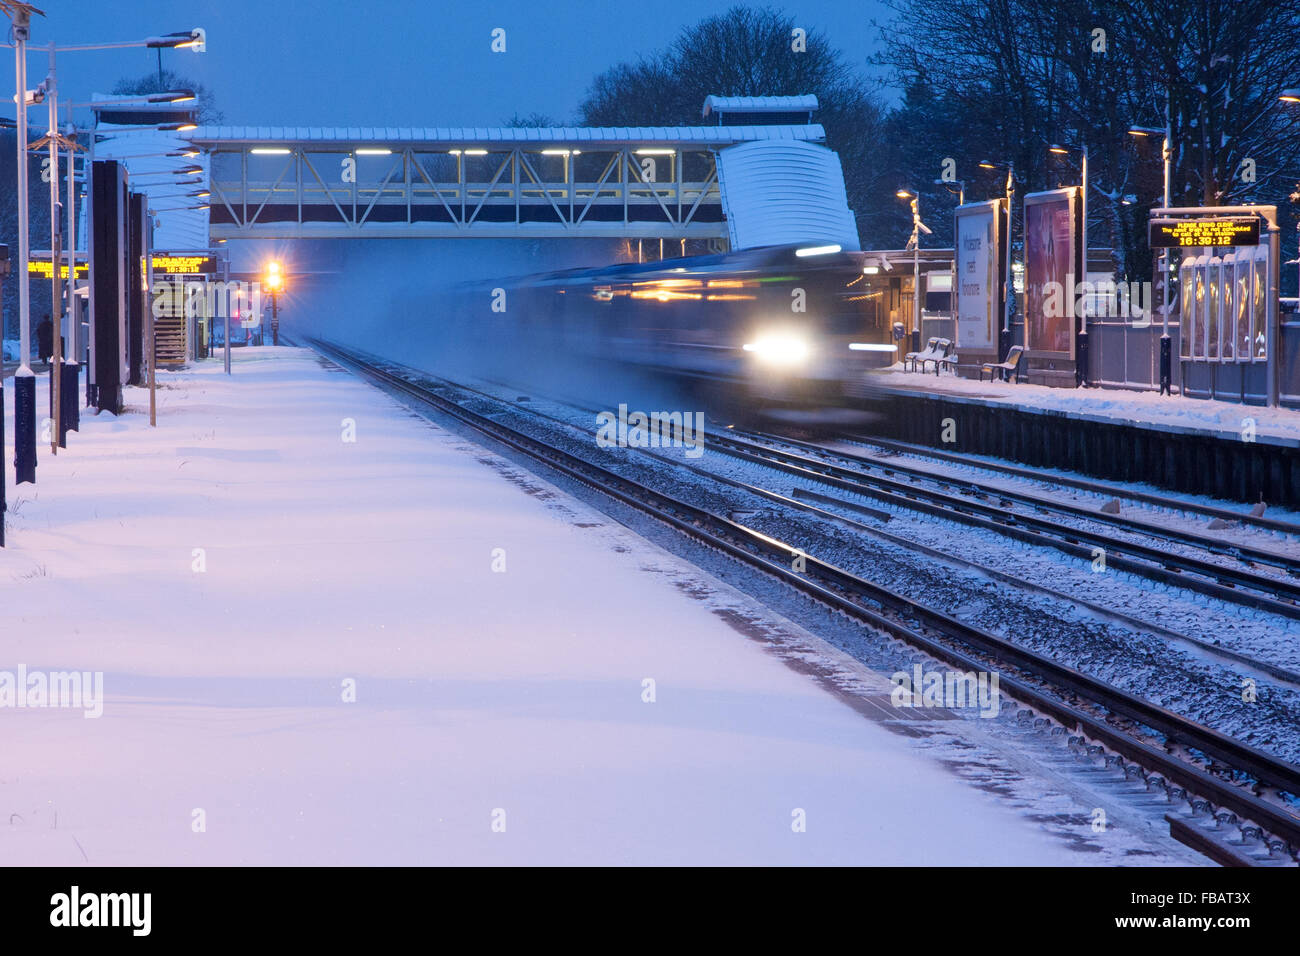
(818, 326)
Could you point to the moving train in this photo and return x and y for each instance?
(779, 325)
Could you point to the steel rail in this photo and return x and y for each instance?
(1227, 584)
(1242, 552)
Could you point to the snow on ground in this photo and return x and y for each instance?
(1169, 412)
(231, 570)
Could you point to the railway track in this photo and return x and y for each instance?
(1101, 715)
(1091, 486)
(990, 509)
(801, 500)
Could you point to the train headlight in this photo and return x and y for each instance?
(779, 349)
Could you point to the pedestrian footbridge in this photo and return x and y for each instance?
(675, 182)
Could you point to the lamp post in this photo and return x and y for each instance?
(914, 244)
(24, 379)
(960, 189)
(1081, 337)
(1166, 347)
(1008, 309)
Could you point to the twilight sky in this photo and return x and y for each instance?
(394, 62)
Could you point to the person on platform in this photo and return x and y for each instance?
(45, 339)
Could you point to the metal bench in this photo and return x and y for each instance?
(1008, 368)
(938, 355)
(925, 353)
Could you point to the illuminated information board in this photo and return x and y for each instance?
(184, 265)
(45, 269)
(1174, 233)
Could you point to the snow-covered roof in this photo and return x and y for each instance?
(806, 103)
(777, 193)
(613, 135)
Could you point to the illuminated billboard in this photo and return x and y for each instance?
(979, 266)
(1050, 256)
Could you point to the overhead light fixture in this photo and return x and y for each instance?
(374, 151)
(476, 152)
(1289, 96)
(173, 41)
(270, 151)
(817, 250)
(656, 152)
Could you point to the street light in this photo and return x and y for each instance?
(1166, 347)
(960, 190)
(1004, 338)
(24, 379)
(914, 244)
(1081, 339)
(177, 41)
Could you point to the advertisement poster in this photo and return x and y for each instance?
(978, 269)
(1049, 272)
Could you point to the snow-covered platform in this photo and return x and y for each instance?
(1167, 413)
(404, 649)
(1191, 446)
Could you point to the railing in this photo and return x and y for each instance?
(431, 194)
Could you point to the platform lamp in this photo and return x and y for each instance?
(4, 271)
(24, 380)
(1008, 309)
(1081, 338)
(914, 243)
(957, 187)
(56, 142)
(1166, 348)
